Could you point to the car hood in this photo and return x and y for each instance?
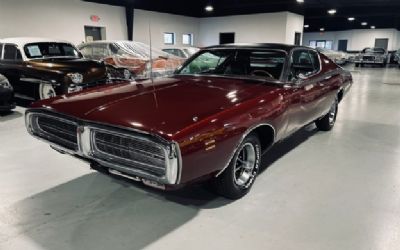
(65, 65)
(165, 107)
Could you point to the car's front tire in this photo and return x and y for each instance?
(238, 178)
(46, 91)
(327, 122)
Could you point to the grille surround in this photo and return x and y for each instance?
(161, 160)
(129, 156)
(56, 130)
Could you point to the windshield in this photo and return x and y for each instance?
(232, 62)
(374, 50)
(41, 50)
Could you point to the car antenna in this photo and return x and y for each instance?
(151, 65)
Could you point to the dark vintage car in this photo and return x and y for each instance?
(374, 56)
(211, 121)
(6, 95)
(42, 68)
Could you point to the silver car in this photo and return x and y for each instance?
(377, 56)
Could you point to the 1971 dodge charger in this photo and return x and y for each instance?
(212, 120)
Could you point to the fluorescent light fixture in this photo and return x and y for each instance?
(300, 1)
(209, 8)
(306, 26)
(372, 27)
(364, 23)
(351, 19)
(322, 29)
(332, 11)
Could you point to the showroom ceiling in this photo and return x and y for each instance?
(377, 13)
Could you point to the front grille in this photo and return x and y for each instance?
(132, 152)
(59, 131)
(368, 58)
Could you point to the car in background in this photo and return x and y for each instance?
(183, 52)
(205, 123)
(142, 61)
(6, 95)
(397, 57)
(40, 68)
(373, 56)
(339, 57)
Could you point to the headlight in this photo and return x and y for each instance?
(127, 74)
(76, 78)
(4, 82)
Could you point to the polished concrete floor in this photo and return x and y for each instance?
(335, 190)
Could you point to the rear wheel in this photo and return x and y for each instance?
(238, 178)
(46, 91)
(327, 122)
(357, 64)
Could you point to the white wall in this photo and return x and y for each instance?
(59, 19)
(357, 39)
(276, 27)
(160, 23)
(294, 23)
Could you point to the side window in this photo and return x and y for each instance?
(315, 61)
(86, 51)
(301, 63)
(11, 52)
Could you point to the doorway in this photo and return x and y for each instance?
(382, 43)
(297, 38)
(225, 38)
(93, 33)
(342, 45)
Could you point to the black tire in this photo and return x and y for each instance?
(362, 65)
(227, 183)
(357, 64)
(327, 122)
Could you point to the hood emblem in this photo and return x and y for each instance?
(195, 119)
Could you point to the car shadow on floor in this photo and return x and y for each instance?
(97, 211)
(11, 115)
(284, 147)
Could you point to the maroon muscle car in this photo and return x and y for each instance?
(212, 120)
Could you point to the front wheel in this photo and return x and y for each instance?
(46, 91)
(238, 178)
(327, 122)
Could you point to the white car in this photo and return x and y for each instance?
(338, 57)
(184, 52)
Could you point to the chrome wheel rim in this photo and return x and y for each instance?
(47, 91)
(332, 114)
(245, 163)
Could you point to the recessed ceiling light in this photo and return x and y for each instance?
(306, 26)
(351, 19)
(332, 11)
(300, 1)
(322, 29)
(372, 27)
(364, 23)
(209, 8)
